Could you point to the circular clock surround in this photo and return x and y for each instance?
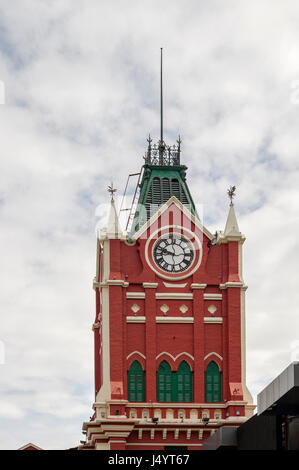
(173, 252)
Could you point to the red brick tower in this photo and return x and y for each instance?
(170, 320)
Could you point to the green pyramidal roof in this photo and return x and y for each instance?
(163, 177)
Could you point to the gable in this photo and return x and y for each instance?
(172, 213)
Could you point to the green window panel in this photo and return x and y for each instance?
(213, 383)
(164, 383)
(184, 383)
(174, 386)
(136, 383)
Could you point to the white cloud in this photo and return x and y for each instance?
(81, 83)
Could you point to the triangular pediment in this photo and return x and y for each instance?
(187, 213)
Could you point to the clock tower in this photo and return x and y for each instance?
(169, 329)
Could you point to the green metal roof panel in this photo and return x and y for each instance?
(158, 184)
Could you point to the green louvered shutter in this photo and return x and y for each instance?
(164, 383)
(213, 383)
(136, 383)
(184, 381)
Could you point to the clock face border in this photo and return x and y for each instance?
(174, 235)
(180, 231)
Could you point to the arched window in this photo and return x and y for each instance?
(174, 386)
(184, 383)
(136, 383)
(213, 383)
(164, 383)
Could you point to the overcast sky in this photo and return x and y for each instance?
(81, 82)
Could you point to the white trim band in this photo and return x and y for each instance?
(174, 320)
(213, 320)
(174, 295)
(212, 296)
(135, 295)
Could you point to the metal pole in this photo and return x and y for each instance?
(161, 89)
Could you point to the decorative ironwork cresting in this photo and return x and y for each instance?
(163, 155)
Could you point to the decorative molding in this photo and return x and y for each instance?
(174, 358)
(177, 405)
(213, 354)
(159, 444)
(212, 309)
(212, 296)
(136, 352)
(105, 393)
(213, 320)
(184, 308)
(135, 308)
(194, 266)
(171, 285)
(117, 282)
(135, 295)
(164, 308)
(163, 208)
(174, 295)
(135, 319)
(174, 319)
(110, 282)
(150, 285)
(198, 286)
(231, 284)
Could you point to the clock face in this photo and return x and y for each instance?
(173, 253)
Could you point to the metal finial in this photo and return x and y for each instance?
(161, 96)
(112, 190)
(231, 193)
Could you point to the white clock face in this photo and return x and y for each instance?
(173, 253)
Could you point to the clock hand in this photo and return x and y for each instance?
(168, 253)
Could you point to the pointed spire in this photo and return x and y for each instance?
(231, 227)
(113, 228)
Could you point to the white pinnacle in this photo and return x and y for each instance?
(231, 227)
(113, 228)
